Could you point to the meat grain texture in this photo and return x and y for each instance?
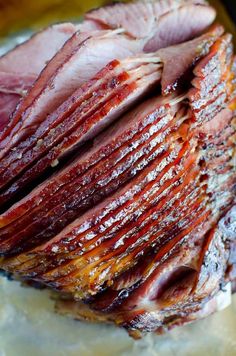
(117, 164)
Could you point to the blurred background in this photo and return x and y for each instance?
(17, 15)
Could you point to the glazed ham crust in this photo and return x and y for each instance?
(117, 167)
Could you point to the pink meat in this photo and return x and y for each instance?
(157, 21)
(82, 56)
(20, 67)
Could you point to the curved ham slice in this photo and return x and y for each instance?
(20, 67)
(157, 20)
(31, 56)
(179, 59)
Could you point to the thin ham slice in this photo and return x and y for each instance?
(157, 21)
(179, 59)
(31, 56)
(20, 67)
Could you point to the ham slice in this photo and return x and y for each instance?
(157, 20)
(179, 59)
(31, 56)
(20, 67)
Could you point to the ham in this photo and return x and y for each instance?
(91, 242)
(117, 169)
(27, 150)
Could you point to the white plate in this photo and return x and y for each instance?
(30, 327)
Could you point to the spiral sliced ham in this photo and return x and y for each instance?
(47, 145)
(117, 169)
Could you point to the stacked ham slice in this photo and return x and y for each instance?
(117, 165)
